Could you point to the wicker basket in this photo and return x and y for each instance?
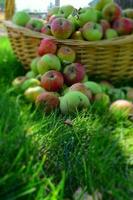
(106, 59)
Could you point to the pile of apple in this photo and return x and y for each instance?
(58, 81)
(106, 20)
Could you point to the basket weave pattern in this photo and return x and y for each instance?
(105, 59)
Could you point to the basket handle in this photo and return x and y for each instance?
(9, 9)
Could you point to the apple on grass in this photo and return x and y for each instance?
(17, 82)
(52, 81)
(31, 82)
(33, 65)
(47, 46)
(30, 74)
(73, 73)
(81, 88)
(48, 62)
(66, 54)
(121, 108)
(73, 101)
(101, 101)
(32, 92)
(47, 101)
(61, 28)
(94, 87)
(92, 31)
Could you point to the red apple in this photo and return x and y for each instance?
(111, 12)
(47, 46)
(61, 28)
(52, 81)
(123, 26)
(47, 101)
(74, 73)
(81, 88)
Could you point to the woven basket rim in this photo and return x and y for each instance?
(106, 42)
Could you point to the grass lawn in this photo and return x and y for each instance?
(42, 158)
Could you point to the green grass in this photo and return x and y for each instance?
(42, 158)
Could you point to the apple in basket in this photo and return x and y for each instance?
(74, 73)
(47, 46)
(61, 28)
(123, 26)
(92, 31)
(66, 54)
(52, 81)
(21, 18)
(47, 101)
(111, 33)
(48, 62)
(66, 10)
(111, 12)
(35, 24)
(77, 35)
(128, 13)
(73, 101)
(46, 29)
(105, 25)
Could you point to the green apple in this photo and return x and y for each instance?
(89, 15)
(116, 93)
(77, 35)
(74, 21)
(32, 82)
(94, 87)
(73, 101)
(48, 62)
(21, 18)
(30, 74)
(35, 24)
(92, 31)
(33, 65)
(101, 101)
(17, 83)
(66, 10)
(85, 79)
(33, 92)
(53, 11)
(111, 33)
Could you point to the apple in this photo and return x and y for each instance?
(72, 101)
(48, 62)
(66, 10)
(52, 11)
(123, 26)
(61, 28)
(77, 35)
(81, 88)
(17, 82)
(122, 108)
(31, 82)
(90, 15)
(111, 33)
(52, 81)
(100, 4)
(33, 65)
(101, 101)
(73, 19)
(46, 29)
(35, 24)
(74, 73)
(53, 17)
(116, 93)
(32, 92)
(128, 13)
(92, 31)
(30, 74)
(111, 12)
(130, 94)
(105, 25)
(47, 101)
(94, 87)
(66, 54)
(85, 79)
(21, 18)
(47, 46)
(106, 86)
